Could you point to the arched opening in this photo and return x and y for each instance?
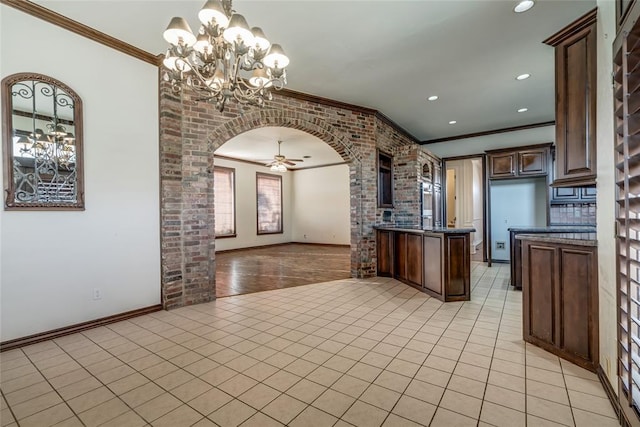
(313, 128)
(282, 211)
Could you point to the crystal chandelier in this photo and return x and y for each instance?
(225, 60)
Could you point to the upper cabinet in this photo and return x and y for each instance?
(519, 162)
(575, 102)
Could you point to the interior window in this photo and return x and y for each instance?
(385, 180)
(225, 201)
(269, 192)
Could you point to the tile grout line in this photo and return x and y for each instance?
(466, 342)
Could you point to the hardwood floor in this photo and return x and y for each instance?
(282, 266)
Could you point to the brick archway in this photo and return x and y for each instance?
(318, 128)
(190, 131)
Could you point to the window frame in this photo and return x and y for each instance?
(232, 171)
(10, 202)
(281, 222)
(383, 203)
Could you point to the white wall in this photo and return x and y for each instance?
(478, 208)
(247, 209)
(467, 206)
(606, 189)
(316, 204)
(51, 260)
(321, 205)
(530, 209)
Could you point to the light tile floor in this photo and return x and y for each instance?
(350, 352)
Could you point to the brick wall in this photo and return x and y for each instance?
(191, 131)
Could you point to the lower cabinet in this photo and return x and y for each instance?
(560, 300)
(434, 266)
(385, 252)
(438, 264)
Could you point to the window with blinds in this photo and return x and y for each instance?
(225, 201)
(627, 176)
(269, 192)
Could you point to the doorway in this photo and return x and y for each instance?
(312, 231)
(451, 197)
(465, 205)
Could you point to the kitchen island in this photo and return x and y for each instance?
(436, 261)
(560, 295)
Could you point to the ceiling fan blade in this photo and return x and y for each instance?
(286, 162)
(295, 160)
(271, 164)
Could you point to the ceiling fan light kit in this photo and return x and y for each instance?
(280, 162)
(226, 60)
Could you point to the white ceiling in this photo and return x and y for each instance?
(387, 55)
(260, 145)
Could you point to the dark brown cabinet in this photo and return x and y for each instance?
(502, 165)
(437, 263)
(385, 252)
(565, 195)
(532, 162)
(575, 52)
(529, 161)
(560, 299)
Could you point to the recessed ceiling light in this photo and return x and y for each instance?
(523, 6)
(432, 97)
(452, 122)
(522, 110)
(524, 76)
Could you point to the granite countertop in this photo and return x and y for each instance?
(578, 239)
(418, 229)
(556, 229)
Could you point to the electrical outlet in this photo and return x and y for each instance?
(501, 245)
(97, 294)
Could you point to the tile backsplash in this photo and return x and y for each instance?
(573, 214)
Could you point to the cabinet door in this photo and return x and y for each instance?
(576, 107)
(385, 253)
(578, 304)
(414, 259)
(433, 267)
(565, 195)
(540, 287)
(588, 194)
(532, 162)
(502, 165)
(400, 258)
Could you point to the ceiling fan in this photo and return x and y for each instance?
(280, 162)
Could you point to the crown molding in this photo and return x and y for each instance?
(346, 106)
(69, 24)
(576, 26)
(250, 162)
(489, 132)
(289, 93)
